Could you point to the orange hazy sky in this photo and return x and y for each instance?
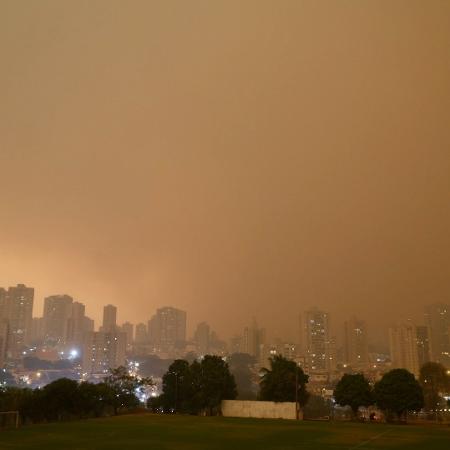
(236, 159)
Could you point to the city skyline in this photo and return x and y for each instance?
(64, 320)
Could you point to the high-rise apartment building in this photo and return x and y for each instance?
(37, 330)
(141, 334)
(76, 325)
(168, 329)
(19, 313)
(109, 318)
(89, 324)
(153, 330)
(216, 345)
(403, 347)
(3, 297)
(236, 344)
(254, 339)
(423, 345)
(4, 334)
(437, 318)
(57, 311)
(202, 338)
(356, 350)
(317, 339)
(286, 349)
(103, 351)
(128, 329)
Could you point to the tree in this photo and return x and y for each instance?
(354, 391)
(95, 400)
(398, 392)
(177, 388)
(212, 382)
(59, 399)
(196, 388)
(285, 381)
(125, 388)
(435, 381)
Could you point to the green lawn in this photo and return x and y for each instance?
(217, 433)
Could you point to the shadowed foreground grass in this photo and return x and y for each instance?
(217, 433)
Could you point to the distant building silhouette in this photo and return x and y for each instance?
(109, 318)
(4, 334)
(168, 329)
(254, 340)
(356, 349)
(317, 340)
(403, 347)
(57, 311)
(3, 299)
(423, 344)
(89, 324)
(141, 336)
(437, 318)
(237, 344)
(128, 329)
(202, 339)
(103, 351)
(78, 325)
(37, 330)
(19, 313)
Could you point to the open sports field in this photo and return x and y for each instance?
(217, 433)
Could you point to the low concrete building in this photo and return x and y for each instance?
(261, 410)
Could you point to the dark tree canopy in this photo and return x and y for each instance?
(435, 381)
(278, 384)
(354, 391)
(397, 392)
(196, 388)
(66, 399)
(212, 383)
(125, 387)
(61, 398)
(177, 387)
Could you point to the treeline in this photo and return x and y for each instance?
(66, 399)
(397, 392)
(200, 387)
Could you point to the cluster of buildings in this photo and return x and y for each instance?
(413, 345)
(326, 358)
(65, 332)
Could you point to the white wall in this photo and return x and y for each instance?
(262, 410)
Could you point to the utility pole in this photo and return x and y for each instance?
(296, 393)
(176, 392)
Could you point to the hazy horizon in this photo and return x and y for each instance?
(234, 159)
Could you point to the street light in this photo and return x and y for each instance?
(176, 390)
(296, 393)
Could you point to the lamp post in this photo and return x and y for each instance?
(296, 393)
(176, 391)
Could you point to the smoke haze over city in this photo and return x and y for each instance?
(235, 160)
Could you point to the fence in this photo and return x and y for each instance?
(262, 410)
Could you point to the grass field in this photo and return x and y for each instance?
(217, 433)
